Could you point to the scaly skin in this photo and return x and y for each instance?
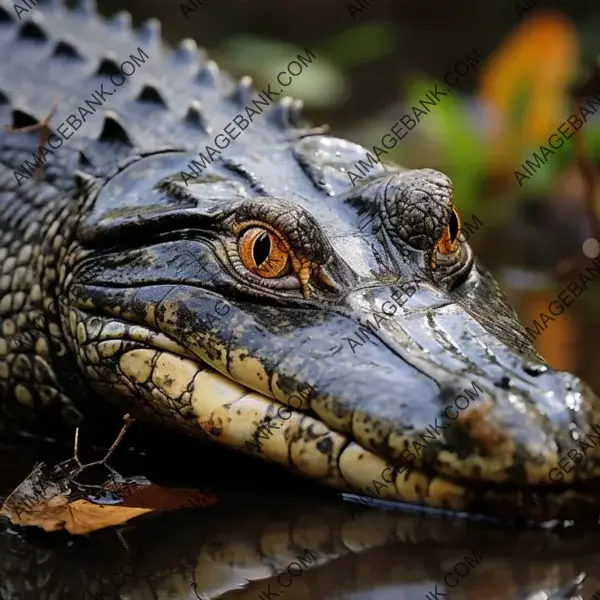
(122, 287)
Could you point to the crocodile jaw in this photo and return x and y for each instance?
(239, 418)
(233, 382)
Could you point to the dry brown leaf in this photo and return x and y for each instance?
(54, 500)
(42, 500)
(76, 517)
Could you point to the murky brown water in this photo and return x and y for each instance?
(272, 536)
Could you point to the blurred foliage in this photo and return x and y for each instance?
(361, 45)
(520, 101)
(526, 92)
(479, 140)
(322, 83)
(325, 83)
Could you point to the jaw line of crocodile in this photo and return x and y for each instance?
(204, 386)
(234, 416)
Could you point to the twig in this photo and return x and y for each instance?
(123, 540)
(128, 422)
(76, 448)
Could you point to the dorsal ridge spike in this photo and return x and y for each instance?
(113, 131)
(108, 66)
(85, 182)
(150, 30)
(5, 16)
(285, 113)
(243, 91)
(187, 52)
(66, 49)
(82, 160)
(296, 116)
(195, 117)
(151, 94)
(52, 3)
(21, 118)
(209, 74)
(87, 8)
(32, 30)
(121, 21)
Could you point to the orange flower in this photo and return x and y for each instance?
(525, 84)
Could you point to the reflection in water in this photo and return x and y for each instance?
(244, 552)
(266, 543)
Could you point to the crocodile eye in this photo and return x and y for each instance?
(449, 241)
(264, 253)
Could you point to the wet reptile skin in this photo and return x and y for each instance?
(122, 289)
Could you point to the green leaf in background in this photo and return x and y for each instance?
(542, 180)
(320, 84)
(518, 110)
(361, 44)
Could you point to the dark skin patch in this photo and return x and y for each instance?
(325, 446)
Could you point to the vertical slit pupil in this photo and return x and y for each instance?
(453, 225)
(262, 249)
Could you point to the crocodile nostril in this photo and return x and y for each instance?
(534, 369)
(504, 383)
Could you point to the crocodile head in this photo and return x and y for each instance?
(345, 333)
(256, 297)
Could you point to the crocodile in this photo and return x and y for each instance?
(260, 302)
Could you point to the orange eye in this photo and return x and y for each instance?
(449, 241)
(263, 253)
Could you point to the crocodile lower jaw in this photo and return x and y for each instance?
(237, 417)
